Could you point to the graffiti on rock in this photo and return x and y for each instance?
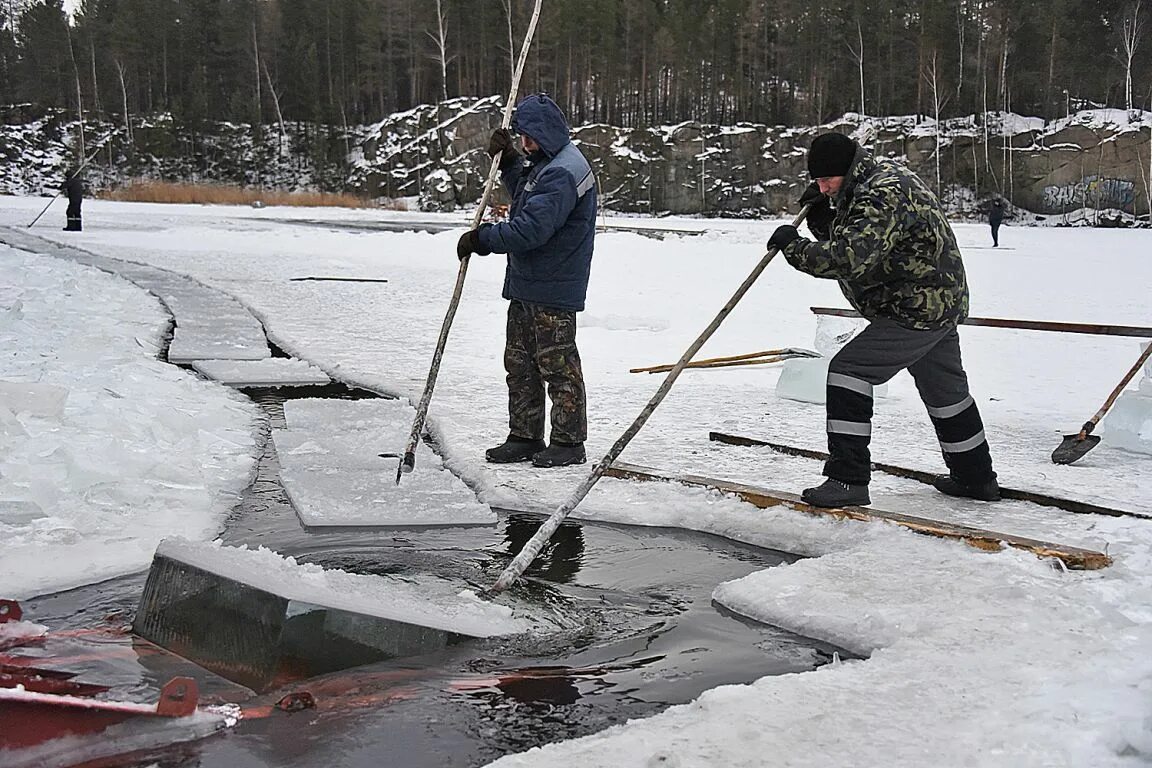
(1091, 192)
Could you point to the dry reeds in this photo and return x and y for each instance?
(220, 194)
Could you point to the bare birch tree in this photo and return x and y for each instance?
(1131, 28)
(440, 40)
(279, 114)
(79, 93)
(858, 56)
(124, 101)
(932, 80)
(96, 106)
(256, 58)
(511, 40)
(961, 25)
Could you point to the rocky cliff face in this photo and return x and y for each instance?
(1096, 160)
(36, 150)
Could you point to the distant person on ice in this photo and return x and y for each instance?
(548, 238)
(995, 219)
(884, 236)
(73, 187)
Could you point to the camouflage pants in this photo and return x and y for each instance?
(540, 349)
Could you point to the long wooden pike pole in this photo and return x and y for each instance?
(408, 460)
(544, 533)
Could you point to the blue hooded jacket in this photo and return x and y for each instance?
(552, 222)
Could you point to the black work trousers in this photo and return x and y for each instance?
(73, 214)
(932, 357)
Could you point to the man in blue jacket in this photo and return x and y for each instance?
(548, 238)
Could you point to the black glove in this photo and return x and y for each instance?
(783, 235)
(469, 244)
(813, 196)
(820, 212)
(501, 143)
(500, 140)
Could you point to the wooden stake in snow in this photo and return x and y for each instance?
(408, 460)
(544, 533)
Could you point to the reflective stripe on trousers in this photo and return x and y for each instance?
(932, 357)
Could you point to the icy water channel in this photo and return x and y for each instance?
(646, 635)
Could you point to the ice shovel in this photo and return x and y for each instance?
(1073, 447)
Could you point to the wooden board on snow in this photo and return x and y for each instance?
(991, 541)
(1043, 499)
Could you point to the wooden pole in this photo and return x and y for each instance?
(752, 358)
(922, 476)
(408, 460)
(1140, 331)
(702, 365)
(549, 526)
(1092, 422)
(44, 210)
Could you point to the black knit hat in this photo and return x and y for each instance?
(831, 155)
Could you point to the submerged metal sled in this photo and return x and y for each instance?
(52, 721)
(260, 637)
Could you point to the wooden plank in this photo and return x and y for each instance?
(990, 541)
(1140, 331)
(749, 358)
(1044, 500)
(710, 364)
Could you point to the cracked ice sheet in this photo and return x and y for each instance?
(332, 471)
(269, 372)
(935, 691)
(133, 449)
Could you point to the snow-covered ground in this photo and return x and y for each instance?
(974, 658)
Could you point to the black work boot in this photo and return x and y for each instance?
(560, 455)
(514, 449)
(836, 493)
(988, 490)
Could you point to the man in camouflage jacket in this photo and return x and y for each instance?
(885, 237)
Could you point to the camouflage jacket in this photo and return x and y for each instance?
(890, 246)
